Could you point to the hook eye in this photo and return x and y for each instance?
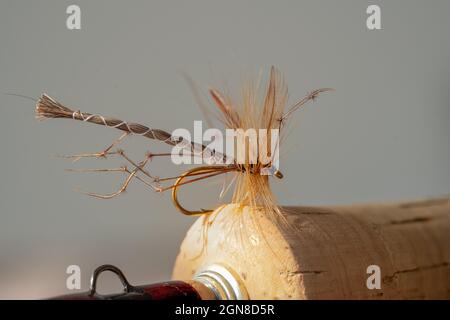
(127, 287)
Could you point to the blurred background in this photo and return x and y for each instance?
(383, 135)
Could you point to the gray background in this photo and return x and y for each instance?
(382, 136)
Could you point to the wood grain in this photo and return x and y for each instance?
(326, 253)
